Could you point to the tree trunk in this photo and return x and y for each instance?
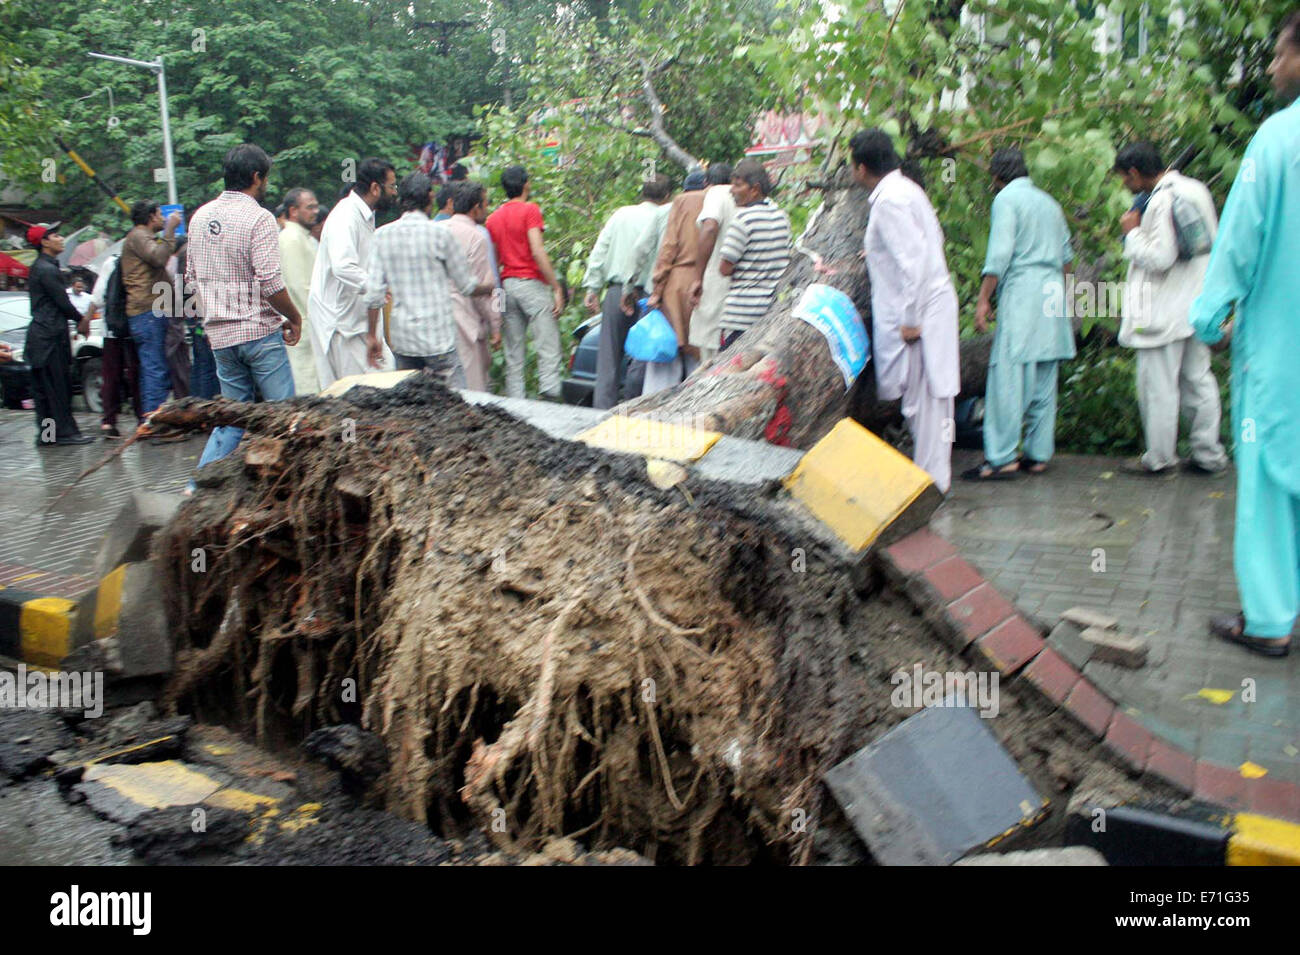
(778, 381)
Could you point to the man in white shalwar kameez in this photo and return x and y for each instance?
(913, 304)
(336, 311)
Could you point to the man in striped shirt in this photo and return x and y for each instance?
(233, 265)
(755, 251)
(420, 261)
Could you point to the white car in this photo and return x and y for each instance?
(16, 376)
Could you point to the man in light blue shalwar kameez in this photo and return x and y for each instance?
(1254, 275)
(1028, 253)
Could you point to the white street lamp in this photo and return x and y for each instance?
(156, 66)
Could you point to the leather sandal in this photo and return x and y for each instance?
(987, 472)
(1232, 628)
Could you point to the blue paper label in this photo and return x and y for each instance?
(832, 313)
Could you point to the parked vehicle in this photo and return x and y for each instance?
(16, 376)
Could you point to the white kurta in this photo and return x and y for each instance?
(911, 287)
(336, 308)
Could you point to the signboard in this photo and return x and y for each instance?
(832, 313)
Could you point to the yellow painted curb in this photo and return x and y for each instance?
(1260, 840)
(856, 484)
(650, 436)
(108, 602)
(45, 630)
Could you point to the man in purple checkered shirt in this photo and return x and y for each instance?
(234, 268)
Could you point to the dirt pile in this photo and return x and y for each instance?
(547, 644)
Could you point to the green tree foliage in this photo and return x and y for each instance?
(952, 81)
(585, 93)
(317, 84)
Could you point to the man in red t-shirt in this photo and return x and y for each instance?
(526, 271)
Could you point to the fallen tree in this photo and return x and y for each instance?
(778, 382)
(545, 641)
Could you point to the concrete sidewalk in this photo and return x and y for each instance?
(1156, 553)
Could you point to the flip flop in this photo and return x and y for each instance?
(1032, 466)
(1233, 630)
(977, 473)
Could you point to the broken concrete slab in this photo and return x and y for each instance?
(142, 635)
(129, 535)
(1112, 646)
(933, 788)
(27, 739)
(1085, 617)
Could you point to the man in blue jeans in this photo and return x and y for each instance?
(233, 266)
(148, 285)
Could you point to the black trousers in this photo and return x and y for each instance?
(121, 376)
(52, 394)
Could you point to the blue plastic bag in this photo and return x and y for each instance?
(652, 338)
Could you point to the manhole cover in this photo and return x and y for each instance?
(1054, 518)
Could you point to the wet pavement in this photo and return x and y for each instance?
(48, 544)
(1156, 553)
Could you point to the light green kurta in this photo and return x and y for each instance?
(1253, 269)
(1029, 244)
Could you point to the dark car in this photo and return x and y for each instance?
(16, 376)
(580, 386)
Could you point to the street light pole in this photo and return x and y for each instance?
(156, 67)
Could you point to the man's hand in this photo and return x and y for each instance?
(691, 351)
(697, 290)
(591, 302)
(1223, 343)
(83, 326)
(292, 333)
(558, 300)
(495, 341)
(6, 354)
(1130, 221)
(910, 333)
(628, 305)
(171, 223)
(982, 312)
(653, 301)
(374, 351)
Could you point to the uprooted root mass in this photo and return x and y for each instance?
(545, 641)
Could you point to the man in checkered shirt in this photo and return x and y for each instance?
(234, 268)
(416, 258)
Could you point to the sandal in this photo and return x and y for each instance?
(987, 472)
(1032, 466)
(1232, 628)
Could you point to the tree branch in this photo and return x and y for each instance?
(657, 130)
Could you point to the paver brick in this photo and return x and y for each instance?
(953, 577)
(1087, 705)
(1173, 765)
(1221, 785)
(1051, 675)
(977, 613)
(1129, 740)
(1010, 645)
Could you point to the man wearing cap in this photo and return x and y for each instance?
(48, 350)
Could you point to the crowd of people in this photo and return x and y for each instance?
(444, 283)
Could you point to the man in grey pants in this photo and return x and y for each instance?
(532, 292)
(613, 264)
